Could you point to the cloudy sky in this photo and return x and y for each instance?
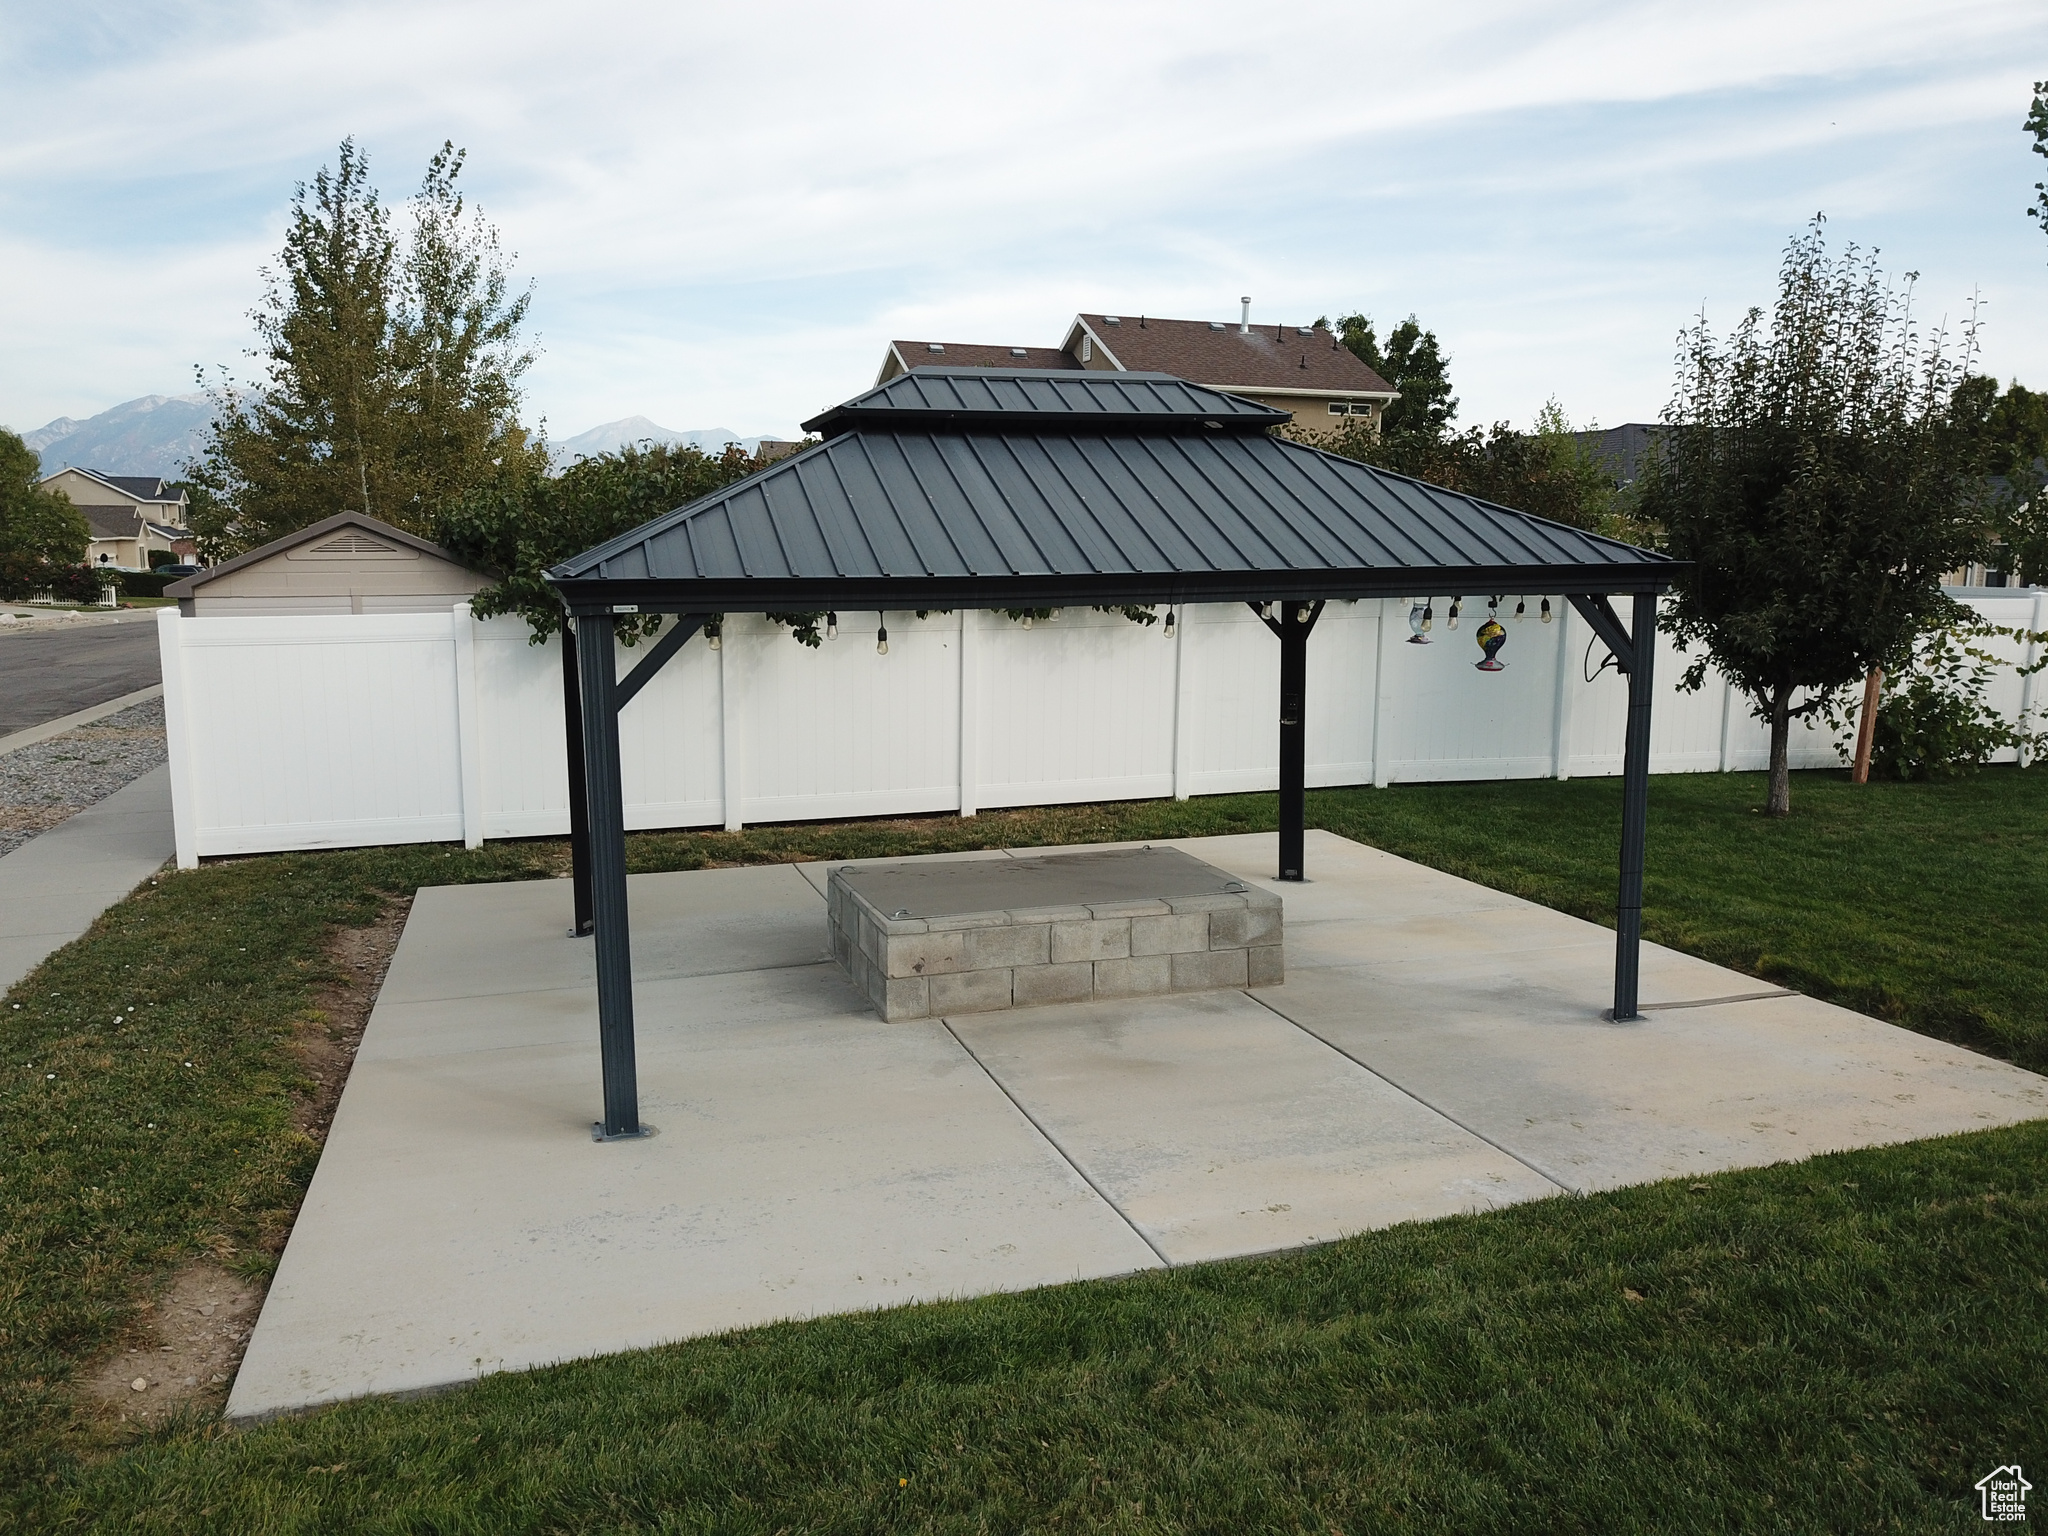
(727, 211)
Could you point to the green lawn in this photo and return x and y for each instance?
(1845, 1344)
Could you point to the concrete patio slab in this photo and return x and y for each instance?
(1437, 1047)
(807, 1161)
(1217, 1128)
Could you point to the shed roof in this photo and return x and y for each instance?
(340, 525)
(945, 488)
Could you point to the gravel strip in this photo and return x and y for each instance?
(48, 781)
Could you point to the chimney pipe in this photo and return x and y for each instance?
(1244, 324)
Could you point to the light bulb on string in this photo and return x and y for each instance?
(714, 636)
(1456, 604)
(1546, 610)
(1428, 615)
(882, 636)
(1169, 623)
(1301, 613)
(1521, 608)
(1025, 622)
(831, 626)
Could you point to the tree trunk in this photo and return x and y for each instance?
(1781, 751)
(1866, 726)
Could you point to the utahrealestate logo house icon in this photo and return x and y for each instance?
(2004, 1493)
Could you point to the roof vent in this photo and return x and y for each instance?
(1114, 319)
(934, 346)
(1301, 330)
(1019, 351)
(1244, 324)
(1215, 325)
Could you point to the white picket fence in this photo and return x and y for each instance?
(350, 730)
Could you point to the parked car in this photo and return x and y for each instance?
(177, 572)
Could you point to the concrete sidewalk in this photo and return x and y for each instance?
(55, 885)
(1437, 1047)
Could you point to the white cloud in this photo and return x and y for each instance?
(730, 209)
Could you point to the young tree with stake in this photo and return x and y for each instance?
(1814, 472)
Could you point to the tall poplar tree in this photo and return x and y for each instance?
(389, 370)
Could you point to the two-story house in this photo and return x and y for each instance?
(1301, 369)
(131, 516)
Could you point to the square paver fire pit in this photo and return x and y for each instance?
(969, 936)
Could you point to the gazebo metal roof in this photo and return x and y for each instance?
(950, 488)
(956, 488)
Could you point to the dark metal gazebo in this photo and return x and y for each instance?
(955, 488)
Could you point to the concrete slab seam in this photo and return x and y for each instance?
(1054, 1142)
(1541, 1172)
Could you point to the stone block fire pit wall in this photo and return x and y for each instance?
(968, 936)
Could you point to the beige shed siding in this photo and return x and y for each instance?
(353, 572)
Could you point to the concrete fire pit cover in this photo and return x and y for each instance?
(994, 885)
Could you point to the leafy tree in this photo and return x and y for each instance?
(390, 372)
(36, 524)
(526, 521)
(2037, 125)
(1414, 364)
(1815, 472)
(2011, 433)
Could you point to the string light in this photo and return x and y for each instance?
(715, 638)
(1457, 603)
(831, 626)
(1025, 622)
(882, 636)
(1169, 623)
(1428, 615)
(1521, 608)
(1546, 610)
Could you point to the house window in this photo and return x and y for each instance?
(1338, 408)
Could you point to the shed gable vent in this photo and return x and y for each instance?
(353, 543)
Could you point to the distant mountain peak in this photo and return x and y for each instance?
(631, 431)
(149, 435)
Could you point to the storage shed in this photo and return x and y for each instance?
(348, 563)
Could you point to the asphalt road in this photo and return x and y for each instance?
(48, 675)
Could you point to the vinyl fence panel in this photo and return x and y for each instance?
(322, 731)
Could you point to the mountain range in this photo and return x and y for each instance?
(156, 434)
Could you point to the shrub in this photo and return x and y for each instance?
(23, 577)
(144, 583)
(1933, 723)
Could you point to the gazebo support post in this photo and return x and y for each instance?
(579, 799)
(607, 818)
(1293, 626)
(1635, 807)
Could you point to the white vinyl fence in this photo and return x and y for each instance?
(354, 729)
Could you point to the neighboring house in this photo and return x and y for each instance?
(1304, 370)
(348, 563)
(1623, 448)
(131, 516)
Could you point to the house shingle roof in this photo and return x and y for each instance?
(1270, 357)
(115, 522)
(974, 354)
